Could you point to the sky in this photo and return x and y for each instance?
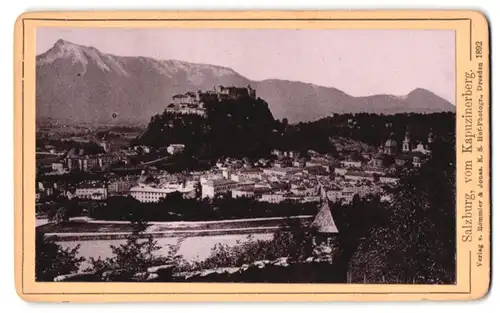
(358, 62)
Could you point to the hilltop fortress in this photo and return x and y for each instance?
(194, 102)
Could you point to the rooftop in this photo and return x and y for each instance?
(361, 174)
(154, 189)
(283, 169)
(323, 222)
(91, 185)
(219, 182)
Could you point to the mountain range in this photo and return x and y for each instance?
(80, 84)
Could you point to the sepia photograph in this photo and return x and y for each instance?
(237, 155)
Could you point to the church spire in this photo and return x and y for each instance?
(407, 144)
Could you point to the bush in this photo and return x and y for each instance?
(51, 260)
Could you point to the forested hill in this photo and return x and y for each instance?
(242, 127)
(372, 129)
(247, 128)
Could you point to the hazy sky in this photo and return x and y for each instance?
(358, 62)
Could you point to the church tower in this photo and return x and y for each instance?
(381, 147)
(407, 144)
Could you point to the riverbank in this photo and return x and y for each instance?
(164, 234)
(78, 229)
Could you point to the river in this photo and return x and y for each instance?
(191, 248)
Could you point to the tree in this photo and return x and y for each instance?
(418, 242)
(135, 256)
(74, 208)
(58, 215)
(52, 260)
(284, 121)
(354, 221)
(293, 241)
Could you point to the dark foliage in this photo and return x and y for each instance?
(293, 241)
(133, 257)
(416, 241)
(246, 128)
(354, 221)
(63, 210)
(176, 208)
(373, 128)
(235, 128)
(52, 260)
(66, 145)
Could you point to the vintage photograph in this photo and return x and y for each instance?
(246, 155)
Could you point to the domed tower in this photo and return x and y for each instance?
(407, 143)
(391, 146)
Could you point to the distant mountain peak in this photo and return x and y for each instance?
(62, 42)
(79, 83)
(421, 94)
(420, 90)
(82, 55)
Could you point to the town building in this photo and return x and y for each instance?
(210, 176)
(92, 191)
(195, 102)
(147, 194)
(272, 197)
(153, 193)
(45, 189)
(243, 192)
(175, 148)
(304, 190)
(214, 187)
(418, 158)
(58, 167)
(281, 171)
(247, 174)
(422, 149)
(388, 179)
(347, 194)
(340, 171)
(299, 163)
(353, 160)
(358, 176)
(404, 159)
(120, 186)
(277, 153)
(334, 194)
(91, 163)
(316, 170)
(232, 92)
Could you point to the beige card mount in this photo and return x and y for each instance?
(252, 156)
